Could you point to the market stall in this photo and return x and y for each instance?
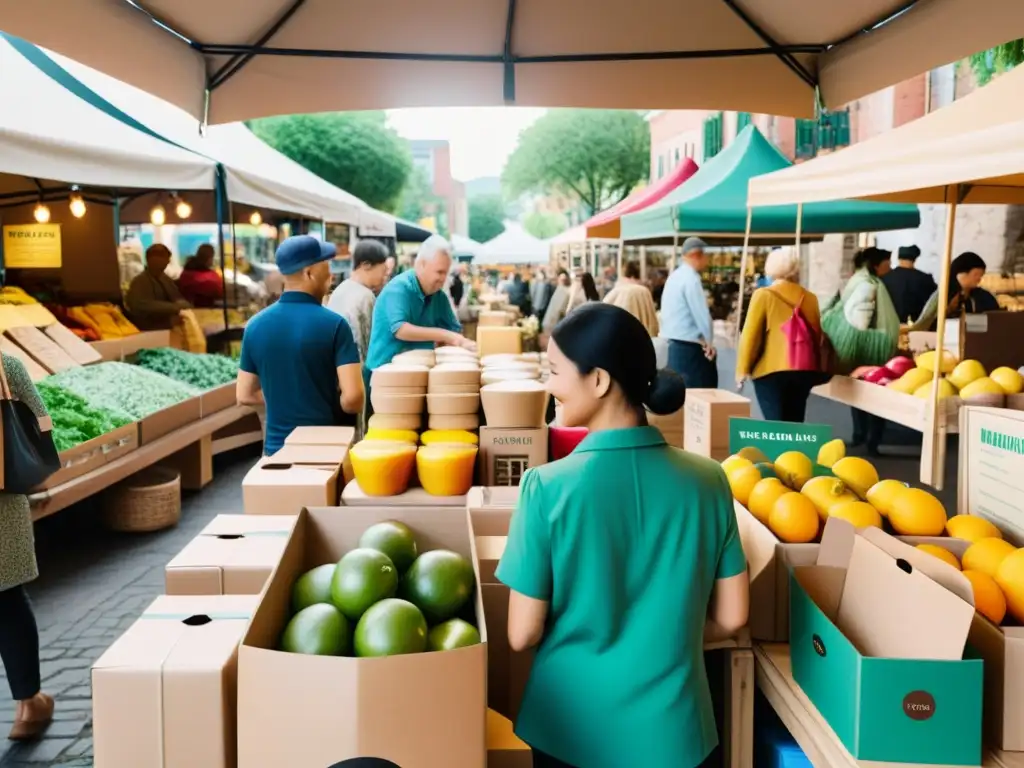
(513, 248)
(966, 153)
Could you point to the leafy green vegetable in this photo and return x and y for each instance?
(123, 390)
(74, 420)
(200, 371)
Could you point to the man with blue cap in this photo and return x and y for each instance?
(299, 357)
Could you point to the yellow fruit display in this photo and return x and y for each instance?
(971, 528)
(432, 436)
(909, 382)
(914, 512)
(989, 598)
(742, 482)
(763, 497)
(735, 462)
(982, 386)
(794, 519)
(987, 555)
(396, 435)
(752, 454)
(929, 360)
(881, 495)
(446, 469)
(859, 514)
(382, 468)
(858, 474)
(940, 552)
(945, 390)
(1010, 578)
(794, 469)
(966, 372)
(825, 493)
(1011, 381)
(831, 452)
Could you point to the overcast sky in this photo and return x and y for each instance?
(481, 138)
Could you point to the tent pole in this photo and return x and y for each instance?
(618, 260)
(675, 248)
(743, 275)
(220, 194)
(937, 448)
(643, 263)
(234, 253)
(799, 226)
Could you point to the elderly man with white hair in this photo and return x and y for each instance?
(413, 312)
(780, 343)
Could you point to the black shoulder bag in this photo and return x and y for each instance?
(28, 450)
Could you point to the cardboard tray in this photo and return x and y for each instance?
(217, 399)
(163, 422)
(92, 454)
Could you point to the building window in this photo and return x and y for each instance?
(661, 166)
(677, 158)
(831, 131)
(713, 136)
(743, 119)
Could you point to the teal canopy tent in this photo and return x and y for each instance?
(713, 204)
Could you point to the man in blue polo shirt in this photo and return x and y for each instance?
(413, 312)
(299, 357)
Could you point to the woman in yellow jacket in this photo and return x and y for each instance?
(763, 353)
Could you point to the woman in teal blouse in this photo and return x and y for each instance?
(619, 558)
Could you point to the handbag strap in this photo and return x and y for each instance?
(786, 301)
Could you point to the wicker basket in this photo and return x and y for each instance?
(149, 500)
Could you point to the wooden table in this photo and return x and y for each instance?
(815, 737)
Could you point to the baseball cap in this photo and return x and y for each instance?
(297, 253)
(693, 244)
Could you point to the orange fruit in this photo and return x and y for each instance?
(987, 555)
(735, 462)
(859, 514)
(941, 553)
(914, 512)
(989, 599)
(794, 518)
(794, 469)
(763, 497)
(742, 482)
(881, 495)
(1010, 578)
(971, 528)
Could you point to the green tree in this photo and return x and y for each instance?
(419, 201)
(596, 155)
(355, 151)
(993, 61)
(486, 217)
(545, 225)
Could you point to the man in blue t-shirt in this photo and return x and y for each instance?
(299, 357)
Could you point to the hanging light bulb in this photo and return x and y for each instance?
(158, 216)
(255, 219)
(183, 209)
(41, 213)
(77, 205)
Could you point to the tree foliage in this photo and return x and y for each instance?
(486, 217)
(545, 224)
(598, 156)
(993, 61)
(355, 151)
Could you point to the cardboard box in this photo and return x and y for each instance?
(490, 509)
(218, 399)
(706, 420)
(321, 436)
(144, 340)
(505, 454)
(504, 748)
(489, 550)
(671, 426)
(990, 440)
(498, 340)
(233, 555)
(93, 454)
(320, 455)
(315, 711)
(164, 692)
(353, 496)
(878, 633)
(167, 420)
(276, 488)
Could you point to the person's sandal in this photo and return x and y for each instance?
(30, 730)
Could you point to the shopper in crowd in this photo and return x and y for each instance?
(354, 297)
(154, 301)
(965, 294)
(540, 293)
(558, 303)
(583, 290)
(518, 292)
(199, 283)
(909, 287)
(19, 636)
(864, 329)
(635, 297)
(686, 319)
(298, 357)
(764, 347)
(599, 546)
(457, 288)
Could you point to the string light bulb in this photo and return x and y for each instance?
(77, 205)
(158, 216)
(41, 213)
(255, 219)
(183, 209)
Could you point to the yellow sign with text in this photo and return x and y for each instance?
(32, 246)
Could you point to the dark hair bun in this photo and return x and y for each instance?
(667, 393)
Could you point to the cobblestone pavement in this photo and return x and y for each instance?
(93, 584)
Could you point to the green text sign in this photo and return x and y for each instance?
(776, 437)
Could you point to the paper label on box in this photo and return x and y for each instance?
(992, 468)
(774, 438)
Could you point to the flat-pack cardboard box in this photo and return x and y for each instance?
(164, 692)
(878, 641)
(490, 509)
(505, 454)
(167, 420)
(233, 555)
(321, 436)
(706, 420)
(283, 488)
(990, 447)
(354, 496)
(425, 710)
(504, 748)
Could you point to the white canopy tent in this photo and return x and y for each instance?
(514, 246)
(462, 244)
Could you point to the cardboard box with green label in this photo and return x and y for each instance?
(878, 639)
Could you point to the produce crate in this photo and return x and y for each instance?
(145, 340)
(92, 454)
(108, 349)
(121, 441)
(217, 399)
(167, 420)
